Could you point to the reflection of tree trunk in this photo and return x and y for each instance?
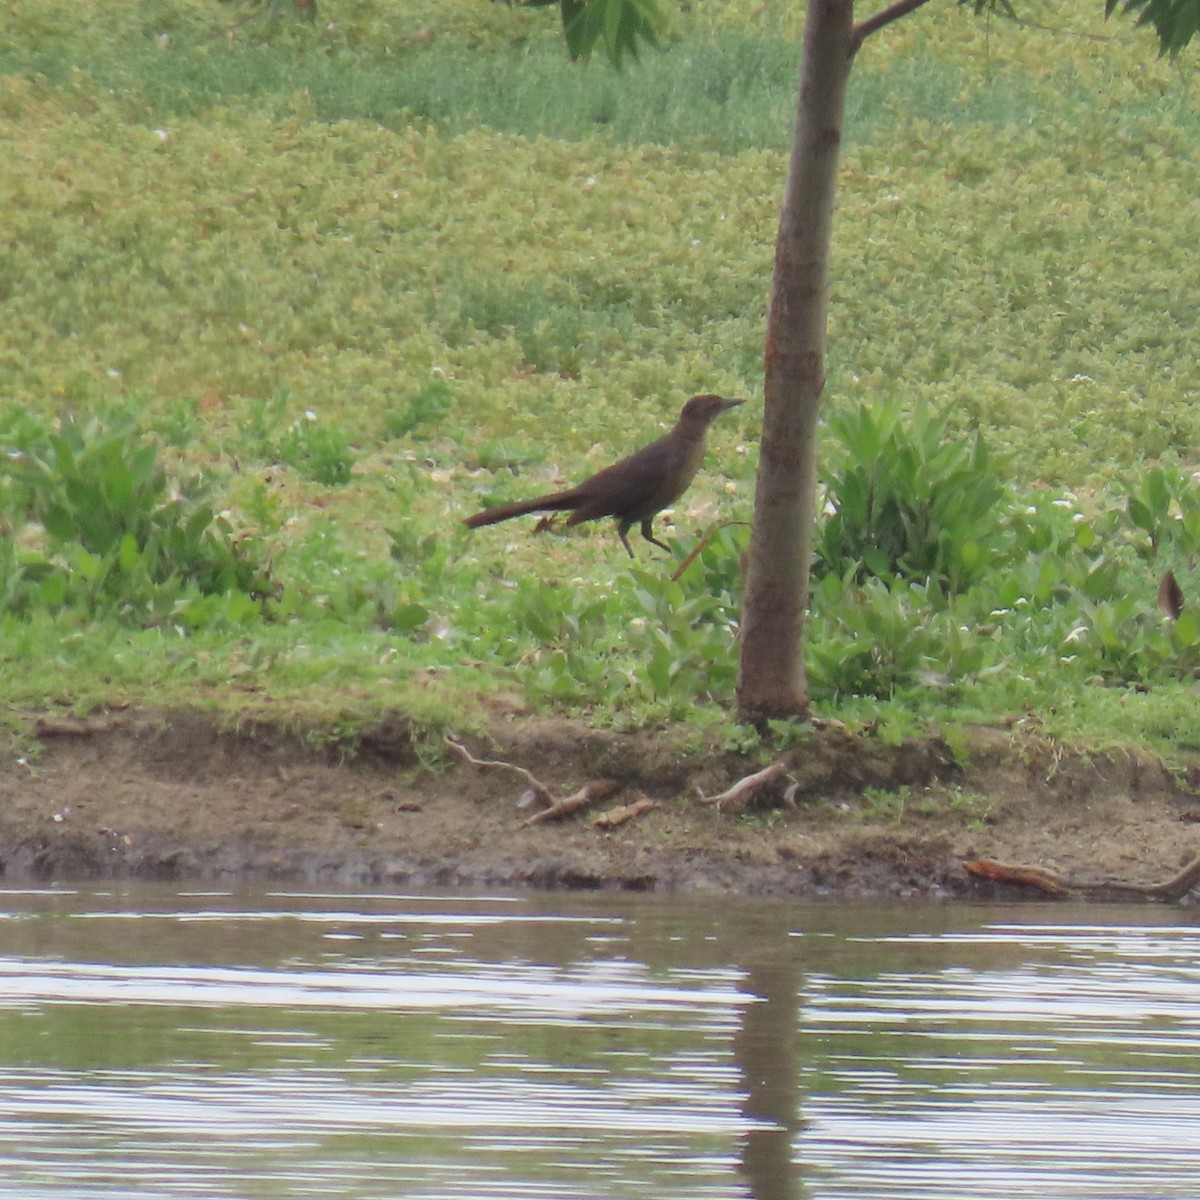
(766, 1052)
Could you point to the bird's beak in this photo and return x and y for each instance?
(728, 404)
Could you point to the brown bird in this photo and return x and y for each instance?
(637, 488)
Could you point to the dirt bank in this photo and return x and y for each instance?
(172, 795)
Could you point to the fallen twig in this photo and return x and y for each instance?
(626, 812)
(598, 789)
(736, 798)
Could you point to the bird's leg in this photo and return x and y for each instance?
(622, 530)
(648, 534)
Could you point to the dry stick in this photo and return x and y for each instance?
(627, 812)
(598, 789)
(541, 791)
(738, 796)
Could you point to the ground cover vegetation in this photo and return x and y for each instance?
(281, 302)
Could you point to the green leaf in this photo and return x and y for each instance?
(1186, 630)
(54, 590)
(128, 554)
(89, 566)
(1158, 493)
(1140, 515)
(1175, 21)
(620, 25)
(58, 522)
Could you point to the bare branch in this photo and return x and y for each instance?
(886, 16)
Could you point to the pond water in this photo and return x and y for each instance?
(161, 1043)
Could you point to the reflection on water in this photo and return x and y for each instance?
(166, 1044)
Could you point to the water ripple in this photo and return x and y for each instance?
(1074, 1073)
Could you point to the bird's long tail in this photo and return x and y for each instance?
(555, 502)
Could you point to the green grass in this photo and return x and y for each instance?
(370, 274)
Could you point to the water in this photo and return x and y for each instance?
(157, 1043)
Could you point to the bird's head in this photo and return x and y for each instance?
(702, 410)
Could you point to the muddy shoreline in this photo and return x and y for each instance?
(175, 796)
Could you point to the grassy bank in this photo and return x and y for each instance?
(365, 276)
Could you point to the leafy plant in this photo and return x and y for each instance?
(426, 406)
(887, 637)
(319, 452)
(906, 499)
(683, 639)
(117, 535)
(1165, 505)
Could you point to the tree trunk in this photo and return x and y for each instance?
(771, 680)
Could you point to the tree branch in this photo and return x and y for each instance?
(886, 16)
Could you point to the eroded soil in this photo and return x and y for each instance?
(172, 795)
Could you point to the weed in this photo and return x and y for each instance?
(969, 807)
(906, 499)
(118, 538)
(882, 804)
(425, 407)
(742, 739)
(1165, 505)
(319, 452)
